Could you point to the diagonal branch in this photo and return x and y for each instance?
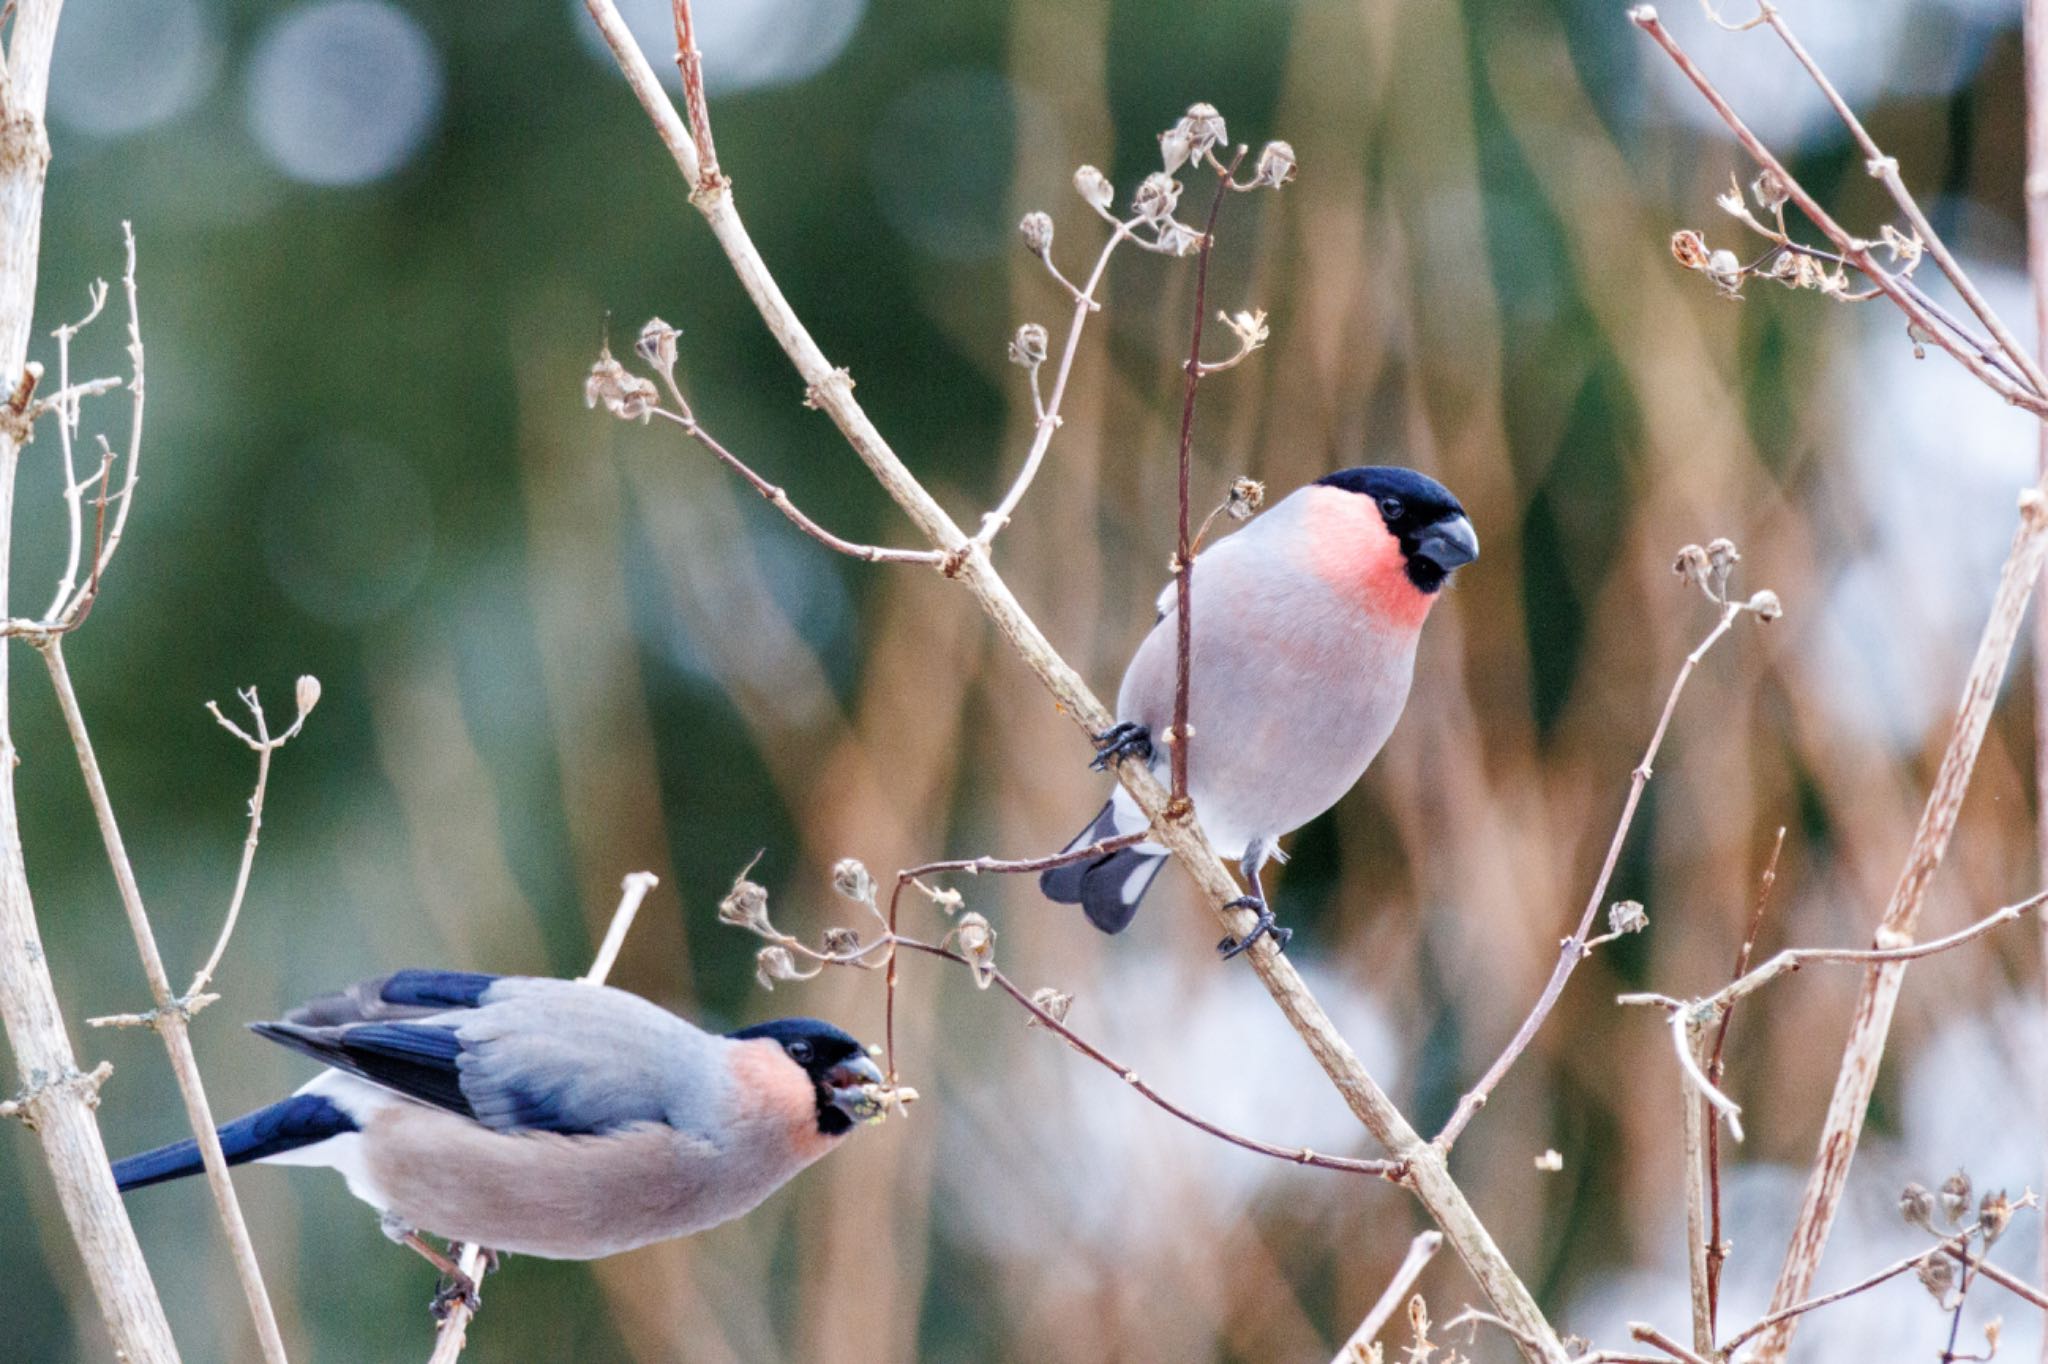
(831, 390)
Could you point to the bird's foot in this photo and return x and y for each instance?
(493, 1262)
(1127, 740)
(456, 1288)
(1234, 945)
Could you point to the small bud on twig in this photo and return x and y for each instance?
(1916, 1205)
(1993, 1214)
(851, 879)
(657, 345)
(625, 394)
(1764, 605)
(1027, 347)
(1956, 1197)
(1689, 249)
(1094, 186)
(746, 906)
(1247, 495)
(1937, 1275)
(307, 694)
(1275, 166)
(1054, 1002)
(1627, 916)
(1157, 197)
(1036, 229)
(1770, 189)
(977, 943)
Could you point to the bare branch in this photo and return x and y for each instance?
(172, 1018)
(1420, 1251)
(1574, 949)
(453, 1332)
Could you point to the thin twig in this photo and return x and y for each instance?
(1420, 1251)
(1574, 949)
(779, 499)
(1694, 1153)
(1650, 1335)
(172, 1021)
(1862, 1285)
(453, 1332)
(264, 745)
(1048, 409)
(1391, 1170)
(1184, 552)
(1717, 1249)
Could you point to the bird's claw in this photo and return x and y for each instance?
(455, 1288)
(1234, 945)
(1127, 740)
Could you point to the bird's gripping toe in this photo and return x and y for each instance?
(1127, 740)
(1234, 945)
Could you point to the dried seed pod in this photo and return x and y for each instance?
(1094, 186)
(1028, 346)
(851, 879)
(1036, 229)
(1275, 165)
(1157, 197)
(1916, 1205)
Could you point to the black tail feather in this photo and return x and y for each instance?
(298, 1121)
(1109, 887)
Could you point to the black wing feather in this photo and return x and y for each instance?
(419, 1060)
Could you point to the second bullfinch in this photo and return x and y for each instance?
(1304, 632)
(546, 1117)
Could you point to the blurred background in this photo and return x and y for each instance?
(380, 245)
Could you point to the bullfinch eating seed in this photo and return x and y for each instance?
(1304, 632)
(545, 1117)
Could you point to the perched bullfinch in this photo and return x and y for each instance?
(1304, 632)
(545, 1117)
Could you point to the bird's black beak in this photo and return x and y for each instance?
(847, 1084)
(1450, 543)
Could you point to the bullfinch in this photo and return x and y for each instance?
(1304, 632)
(546, 1117)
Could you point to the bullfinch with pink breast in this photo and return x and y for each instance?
(1304, 632)
(545, 1117)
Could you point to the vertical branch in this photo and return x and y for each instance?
(453, 1332)
(1875, 1002)
(172, 1017)
(56, 1098)
(1184, 553)
(2037, 270)
(1697, 1120)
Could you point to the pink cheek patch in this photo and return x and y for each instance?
(1351, 549)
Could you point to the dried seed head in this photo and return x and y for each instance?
(1689, 249)
(1247, 495)
(1764, 605)
(1916, 1205)
(1726, 272)
(1956, 1198)
(1993, 1214)
(1204, 128)
(850, 878)
(840, 942)
(307, 694)
(772, 964)
(1054, 1002)
(1248, 327)
(657, 345)
(1175, 147)
(1937, 1275)
(1627, 916)
(1094, 186)
(1036, 229)
(1275, 165)
(1691, 565)
(746, 906)
(625, 395)
(1179, 238)
(945, 899)
(1158, 195)
(1770, 189)
(977, 942)
(1027, 347)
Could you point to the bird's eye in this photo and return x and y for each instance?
(800, 1052)
(1390, 507)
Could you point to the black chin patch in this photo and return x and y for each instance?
(833, 1121)
(1426, 575)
